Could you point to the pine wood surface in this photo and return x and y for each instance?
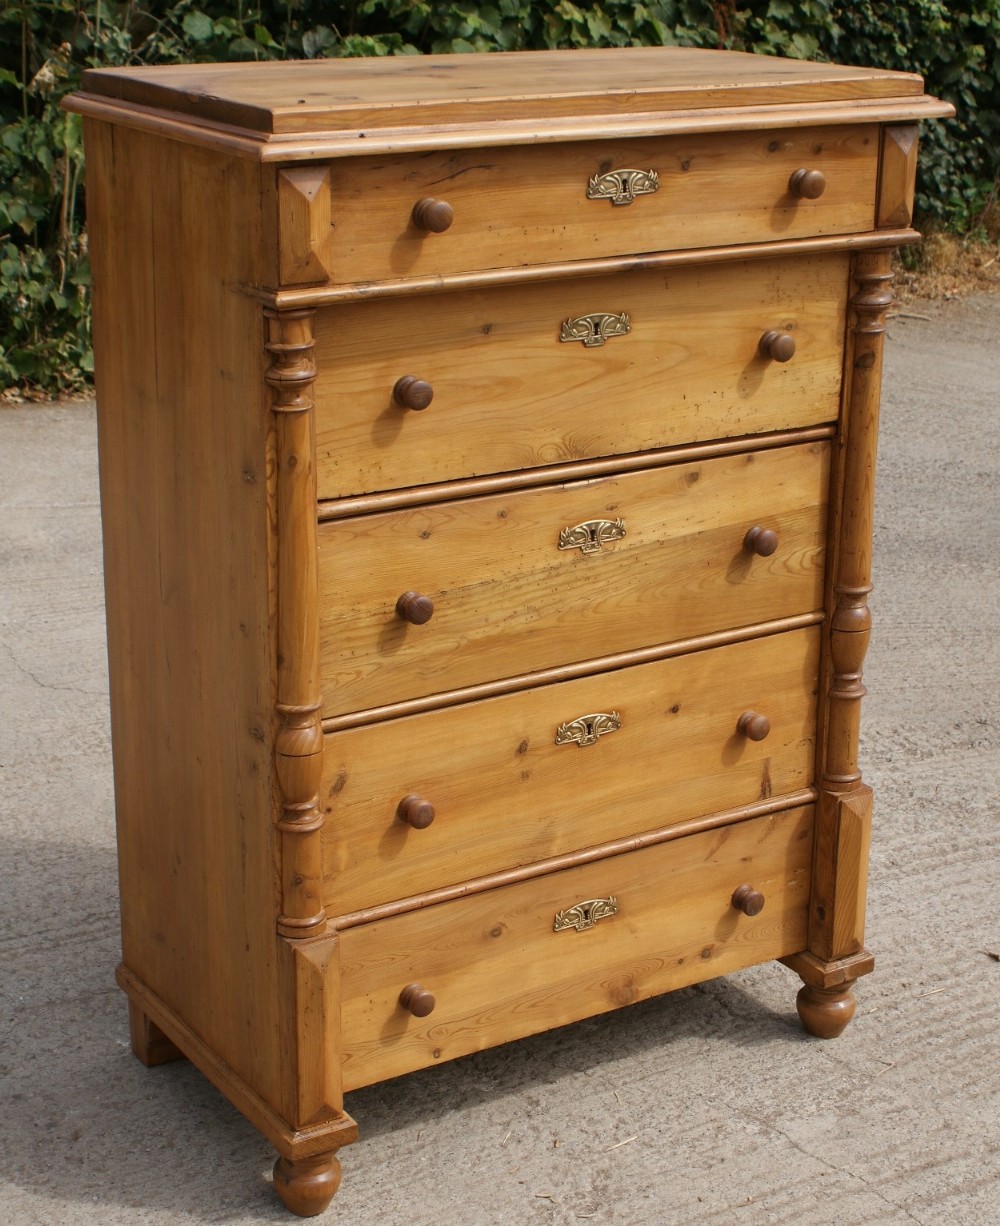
(298, 741)
(897, 175)
(499, 972)
(310, 1136)
(320, 94)
(291, 297)
(554, 474)
(508, 600)
(272, 521)
(529, 205)
(505, 794)
(190, 652)
(508, 395)
(844, 812)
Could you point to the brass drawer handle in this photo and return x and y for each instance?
(586, 729)
(595, 329)
(590, 537)
(622, 186)
(585, 914)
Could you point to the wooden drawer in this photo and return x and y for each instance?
(505, 793)
(509, 394)
(498, 971)
(530, 205)
(509, 600)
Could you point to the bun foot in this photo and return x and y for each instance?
(825, 1012)
(308, 1185)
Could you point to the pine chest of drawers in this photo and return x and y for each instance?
(487, 449)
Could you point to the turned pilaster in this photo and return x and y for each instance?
(298, 755)
(843, 813)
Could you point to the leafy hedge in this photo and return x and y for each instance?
(46, 44)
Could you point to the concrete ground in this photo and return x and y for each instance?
(707, 1106)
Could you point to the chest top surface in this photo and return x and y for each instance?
(338, 104)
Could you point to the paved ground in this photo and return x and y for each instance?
(708, 1106)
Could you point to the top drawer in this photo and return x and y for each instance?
(554, 203)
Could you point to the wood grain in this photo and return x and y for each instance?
(289, 149)
(897, 175)
(574, 859)
(303, 202)
(499, 972)
(529, 206)
(310, 971)
(318, 1137)
(565, 526)
(149, 1044)
(190, 653)
(298, 745)
(609, 266)
(508, 600)
(552, 474)
(505, 794)
(837, 908)
(322, 94)
(509, 395)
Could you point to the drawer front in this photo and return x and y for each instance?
(529, 205)
(509, 393)
(499, 971)
(540, 578)
(505, 793)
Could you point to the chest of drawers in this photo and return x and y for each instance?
(487, 448)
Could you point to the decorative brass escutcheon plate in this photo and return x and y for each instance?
(585, 914)
(622, 186)
(590, 537)
(586, 729)
(593, 330)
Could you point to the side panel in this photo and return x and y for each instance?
(184, 427)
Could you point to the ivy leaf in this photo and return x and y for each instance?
(315, 42)
(199, 26)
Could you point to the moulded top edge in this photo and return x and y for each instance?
(292, 148)
(310, 96)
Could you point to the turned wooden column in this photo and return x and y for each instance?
(836, 954)
(298, 753)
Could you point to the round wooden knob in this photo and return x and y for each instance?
(414, 608)
(409, 392)
(417, 811)
(778, 346)
(433, 215)
(753, 725)
(807, 184)
(420, 1002)
(761, 541)
(745, 899)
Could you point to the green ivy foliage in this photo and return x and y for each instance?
(46, 44)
